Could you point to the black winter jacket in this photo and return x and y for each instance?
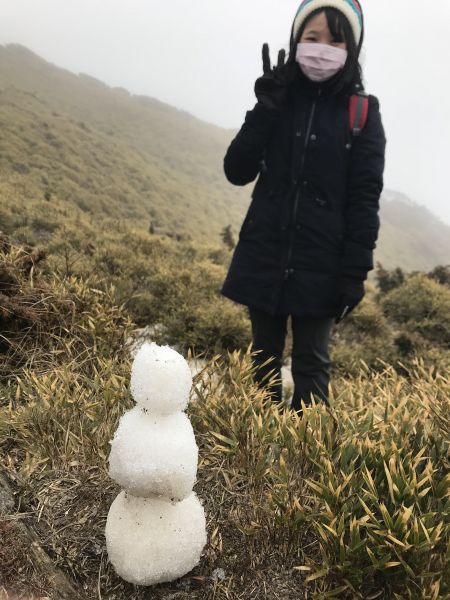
(314, 211)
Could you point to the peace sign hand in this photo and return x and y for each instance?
(266, 58)
(271, 88)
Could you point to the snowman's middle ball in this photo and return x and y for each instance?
(154, 454)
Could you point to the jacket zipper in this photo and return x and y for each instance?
(287, 271)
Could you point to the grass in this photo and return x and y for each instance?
(350, 502)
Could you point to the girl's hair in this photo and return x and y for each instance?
(341, 31)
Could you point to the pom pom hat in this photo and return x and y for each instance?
(349, 8)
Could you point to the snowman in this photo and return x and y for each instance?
(156, 528)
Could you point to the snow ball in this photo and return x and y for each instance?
(160, 379)
(153, 540)
(154, 454)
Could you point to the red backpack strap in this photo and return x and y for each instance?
(358, 112)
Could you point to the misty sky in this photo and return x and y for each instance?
(204, 56)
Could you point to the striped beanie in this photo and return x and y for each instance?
(350, 8)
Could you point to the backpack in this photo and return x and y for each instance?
(358, 110)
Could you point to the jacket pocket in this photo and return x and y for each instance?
(315, 198)
(321, 222)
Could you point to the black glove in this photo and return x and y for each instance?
(351, 292)
(271, 88)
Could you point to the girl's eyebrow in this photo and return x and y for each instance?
(313, 31)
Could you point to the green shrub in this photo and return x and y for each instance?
(422, 306)
(389, 280)
(210, 329)
(365, 335)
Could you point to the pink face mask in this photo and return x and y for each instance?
(320, 62)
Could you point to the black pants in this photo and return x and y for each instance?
(310, 357)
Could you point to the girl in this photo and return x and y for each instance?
(306, 244)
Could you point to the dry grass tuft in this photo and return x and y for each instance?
(47, 320)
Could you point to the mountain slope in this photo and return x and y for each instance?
(411, 236)
(111, 154)
(170, 162)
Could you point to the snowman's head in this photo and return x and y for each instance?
(160, 379)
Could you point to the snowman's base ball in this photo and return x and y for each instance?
(153, 540)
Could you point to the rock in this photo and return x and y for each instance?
(6, 501)
(218, 575)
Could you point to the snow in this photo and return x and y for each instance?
(153, 540)
(154, 455)
(156, 527)
(160, 379)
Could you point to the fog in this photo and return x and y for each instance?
(204, 56)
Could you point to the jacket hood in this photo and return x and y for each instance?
(337, 83)
(350, 9)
